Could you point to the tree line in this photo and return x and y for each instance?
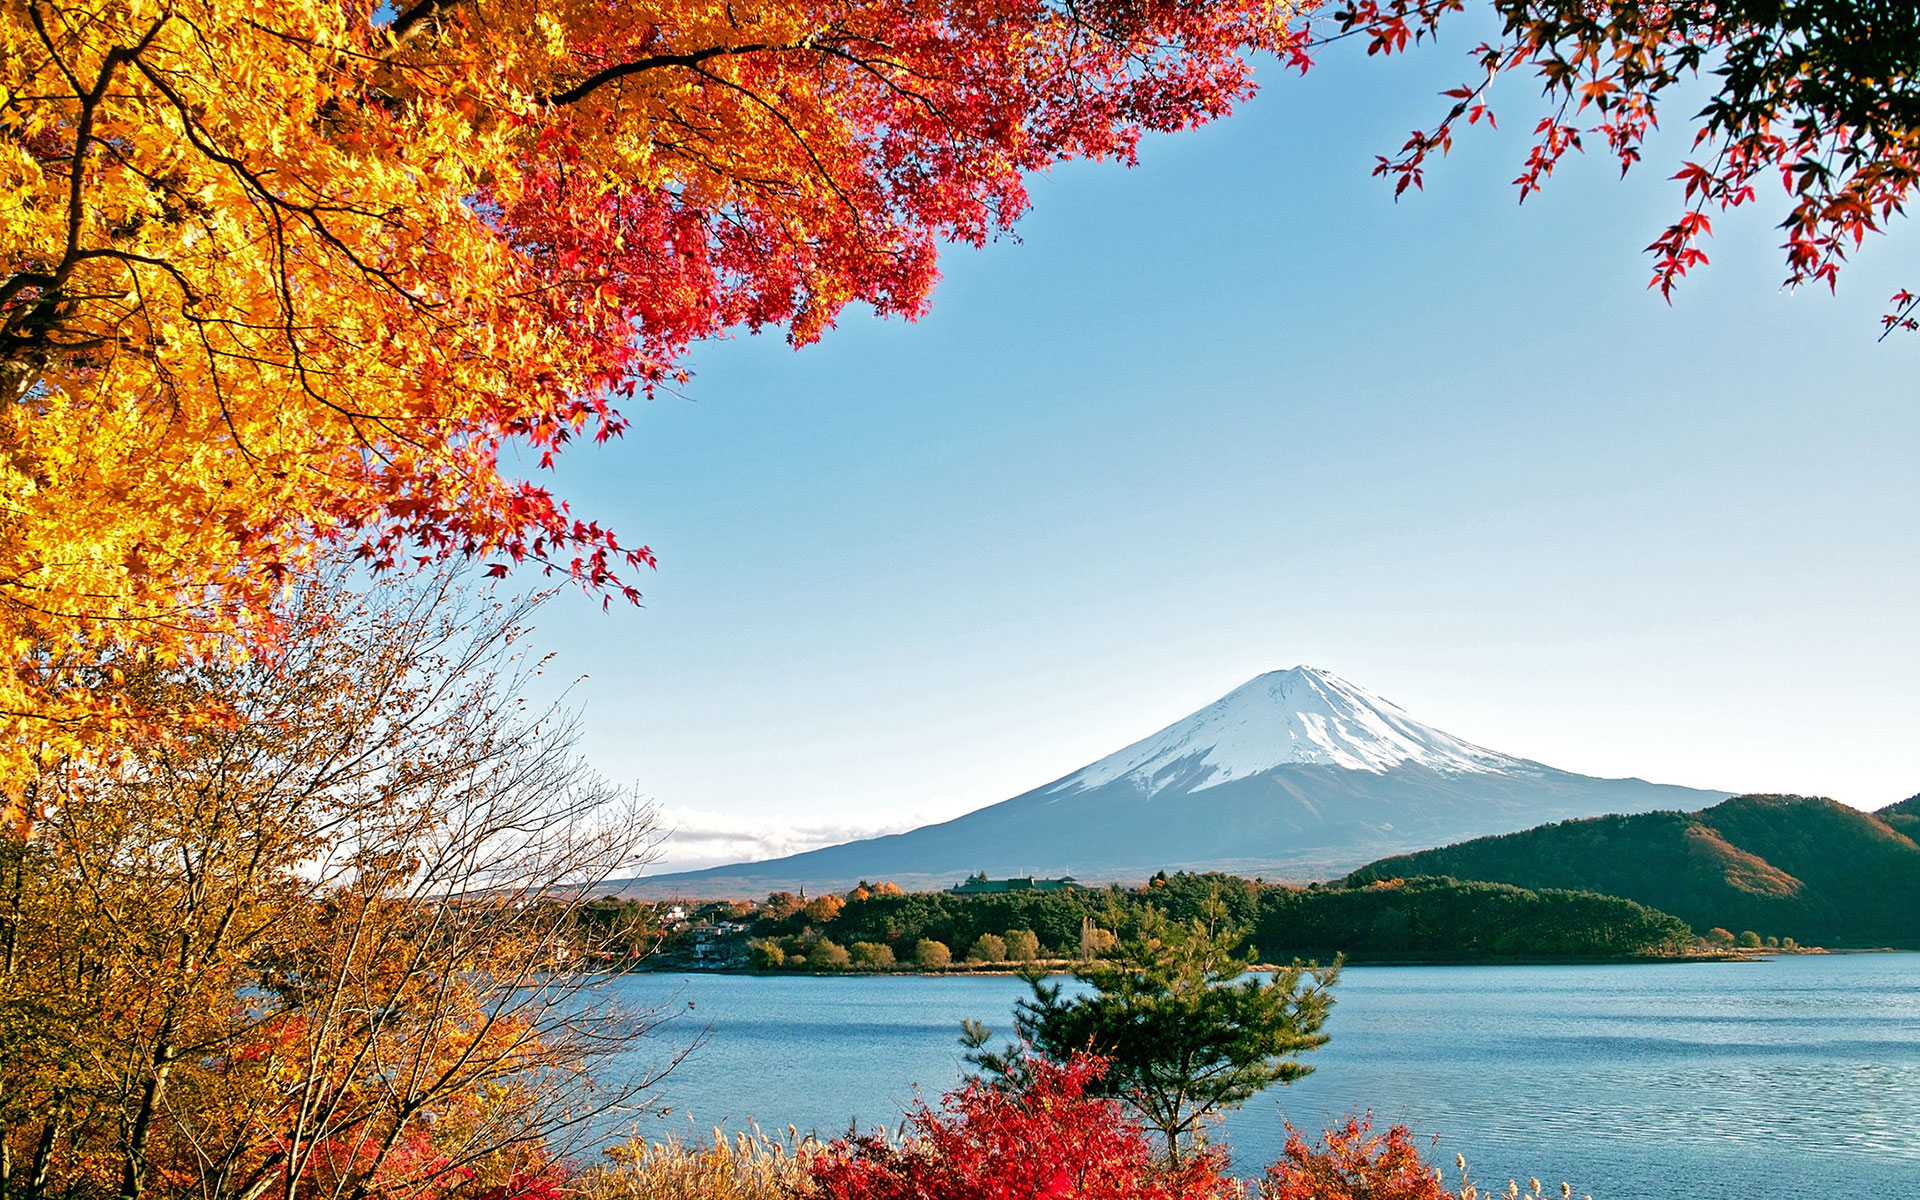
(1426, 918)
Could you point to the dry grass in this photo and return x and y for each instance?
(750, 1166)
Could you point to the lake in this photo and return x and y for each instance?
(1794, 1077)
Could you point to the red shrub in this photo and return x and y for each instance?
(1353, 1163)
(1046, 1140)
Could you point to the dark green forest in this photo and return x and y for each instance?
(1439, 919)
(1904, 816)
(1425, 919)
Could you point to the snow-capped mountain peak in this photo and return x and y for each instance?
(1305, 715)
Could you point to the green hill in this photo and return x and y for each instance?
(1904, 816)
(1783, 866)
(1451, 920)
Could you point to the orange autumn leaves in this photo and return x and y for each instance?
(330, 947)
(288, 277)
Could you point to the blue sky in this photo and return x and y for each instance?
(1234, 409)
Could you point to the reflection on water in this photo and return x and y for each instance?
(1715, 1081)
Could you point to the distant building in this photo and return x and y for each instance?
(980, 885)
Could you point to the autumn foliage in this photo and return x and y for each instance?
(1042, 1136)
(326, 948)
(1351, 1162)
(294, 274)
(1820, 100)
(1049, 1138)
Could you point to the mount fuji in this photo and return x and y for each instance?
(1293, 775)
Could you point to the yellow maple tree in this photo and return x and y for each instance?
(280, 275)
(329, 947)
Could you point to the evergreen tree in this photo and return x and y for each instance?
(1186, 1030)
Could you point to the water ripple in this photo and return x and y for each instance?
(1685, 1082)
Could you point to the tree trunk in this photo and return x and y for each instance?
(16, 856)
(43, 1152)
(133, 1177)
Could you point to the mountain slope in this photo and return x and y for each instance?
(1296, 774)
(1783, 866)
(1903, 816)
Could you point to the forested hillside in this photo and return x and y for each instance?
(1428, 919)
(1783, 866)
(1904, 816)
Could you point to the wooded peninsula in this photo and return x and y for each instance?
(879, 927)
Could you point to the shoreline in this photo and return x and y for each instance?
(1057, 967)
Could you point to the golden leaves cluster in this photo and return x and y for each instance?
(279, 275)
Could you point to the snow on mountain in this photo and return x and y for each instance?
(1305, 715)
(1294, 775)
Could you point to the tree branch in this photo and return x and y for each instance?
(691, 58)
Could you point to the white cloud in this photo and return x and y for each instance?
(696, 838)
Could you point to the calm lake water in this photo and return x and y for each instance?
(1798, 1077)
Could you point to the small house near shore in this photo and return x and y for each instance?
(980, 885)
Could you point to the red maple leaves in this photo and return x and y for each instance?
(1822, 96)
(1045, 1140)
